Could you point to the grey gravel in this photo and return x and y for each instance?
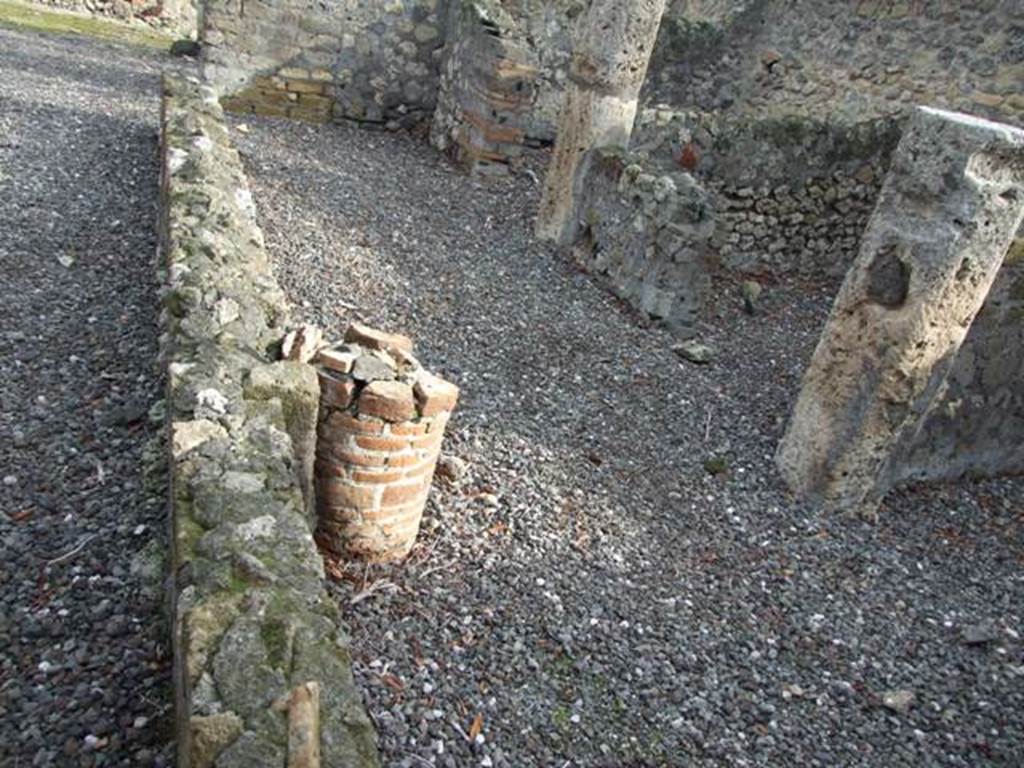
(84, 664)
(586, 591)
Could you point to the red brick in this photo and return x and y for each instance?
(341, 493)
(336, 392)
(435, 395)
(348, 423)
(390, 400)
(382, 443)
(372, 338)
(426, 468)
(327, 468)
(379, 478)
(357, 458)
(410, 428)
(335, 360)
(401, 494)
(427, 442)
(404, 459)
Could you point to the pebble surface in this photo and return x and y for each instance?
(610, 572)
(84, 659)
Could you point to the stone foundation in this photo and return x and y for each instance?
(382, 420)
(261, 661)
(648, 234)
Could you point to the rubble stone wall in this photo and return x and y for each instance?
(849, 60)
(364, 60)
(255, 635)
(647, 234)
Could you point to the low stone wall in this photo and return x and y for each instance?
(360, 60)
(792, 196)
(259, 650)
(648, 234)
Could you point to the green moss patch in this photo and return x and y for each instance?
(23, 16)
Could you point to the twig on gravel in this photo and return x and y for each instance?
(461, 732)
(369, 591)
(707, 425)
(421, 760)
(72, 552)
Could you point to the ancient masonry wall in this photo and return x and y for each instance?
(364, 60)
(176, 16)
(647, 233)
(262, 667)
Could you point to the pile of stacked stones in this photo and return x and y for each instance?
(382, 420)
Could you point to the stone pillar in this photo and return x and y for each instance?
(382, 420)
(613, 47)
(944, 221)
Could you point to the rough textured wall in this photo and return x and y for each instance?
(647, 234)
(488, 88)
(363, 60)
(252, 621)
(851, 60)
(176, 16)
(792, 195)
(976, 425)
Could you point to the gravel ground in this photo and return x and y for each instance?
(84, 668)
(619, 579)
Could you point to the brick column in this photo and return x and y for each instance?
(382, 420)
(952, 201)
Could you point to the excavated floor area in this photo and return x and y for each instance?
(84, 651)
(619, 578)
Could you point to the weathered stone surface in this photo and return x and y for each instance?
(296, 385)
(248, 594)
(948, 213)
(211, 734)
(302, 344)
(614, 45)
(647, 233)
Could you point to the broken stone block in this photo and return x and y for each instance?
(368, 368)
(302, 344)
(371, 338)
(947, 214)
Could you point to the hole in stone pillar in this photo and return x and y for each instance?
(888, 278)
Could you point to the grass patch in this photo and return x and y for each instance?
(18, 15)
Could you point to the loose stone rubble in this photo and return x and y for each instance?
(382, 420)
(252, 625)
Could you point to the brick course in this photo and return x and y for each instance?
(378, 445)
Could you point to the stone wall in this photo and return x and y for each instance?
(365, 60)
(647, 234)
(489, 80)
(852, 60)
(175, 16)
(258, 644)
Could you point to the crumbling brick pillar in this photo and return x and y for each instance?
(382, 420)
(944, 221)
(613, 48)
